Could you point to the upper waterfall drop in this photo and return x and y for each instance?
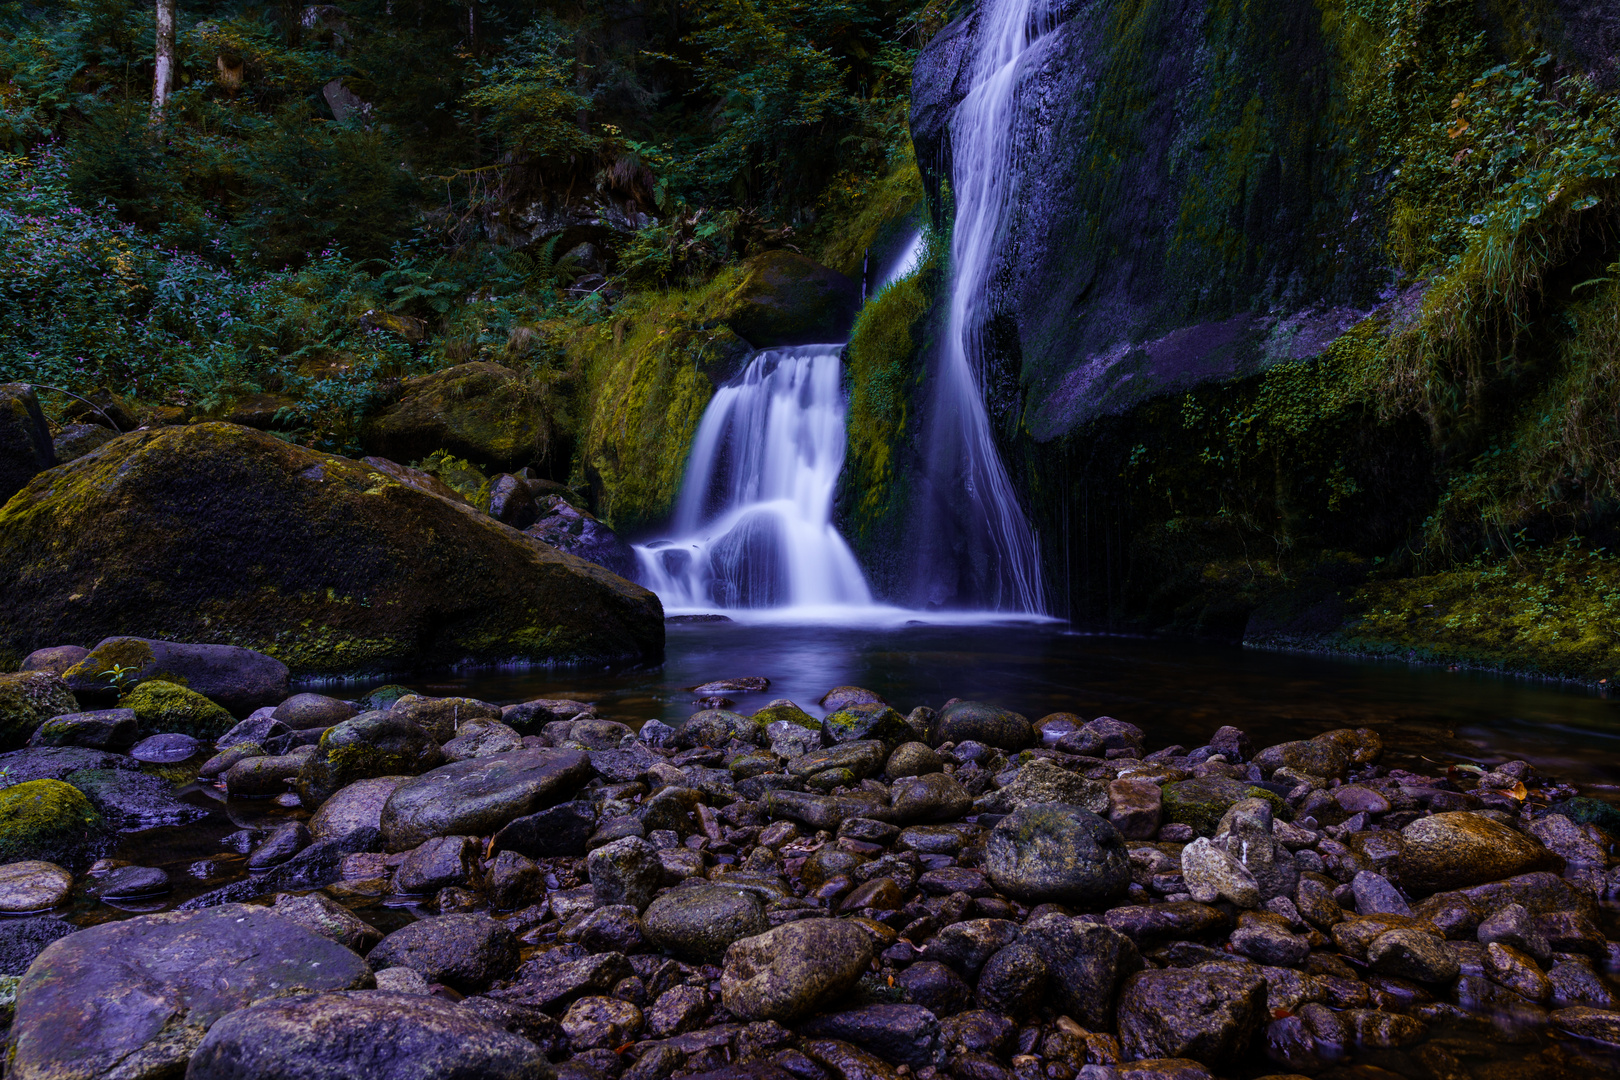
(753, 527)
(993, 541)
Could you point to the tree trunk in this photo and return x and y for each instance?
(163, 69)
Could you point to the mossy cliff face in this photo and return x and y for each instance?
(1305, 310)
(223, 534)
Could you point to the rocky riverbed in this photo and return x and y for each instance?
(875, 894)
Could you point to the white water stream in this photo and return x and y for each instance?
(753, 528)
(962, 449)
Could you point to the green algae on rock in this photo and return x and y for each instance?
(49, 820)
(481, 411)
(162, 706)
(220, 533)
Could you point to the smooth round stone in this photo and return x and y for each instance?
(1459, 849)
(931, 839)
(1049, 729)
(979, 722)
(699, 922)
(56, 660)
(840, 697)
(795, 969)
(165, 749)
(32, 886)
(302, 712)
(913, 759)
(133, 883)
(1058, 853)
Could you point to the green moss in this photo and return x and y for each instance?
(651, 371)
(28, 699)
(466, 478)
(383, 697)
(49, 820)
(162, 706)
(1550, 611)
(860, 213)
(791, 714)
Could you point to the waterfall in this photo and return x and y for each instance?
(992, 542)
(753, 525)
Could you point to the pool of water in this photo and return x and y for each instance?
(1176, 691)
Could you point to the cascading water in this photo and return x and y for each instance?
(978, 526)
(753, 527)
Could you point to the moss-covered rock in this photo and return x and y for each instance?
(484, 412)
(240, 680)
(787, 712)
(1202, 802)
(165, 706)
(787, 299)
(214, 532)
(27, 700)
(25, 441)
(49, 820)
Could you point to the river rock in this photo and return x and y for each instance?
(103, 729)
(163, 707)
(284, 841)
(25, 439)
(934, 797)
(259, 729)
(1013, 981)
(1321, 756)
(698, 923)
(794, 969)
(967, 945)
(166, 748)
(264, 777)
(1053, 852)
(913, 759)
(312, 711)
(372, 1033)
(1086, 962)
(128, 800)
(902, 1034)
(934, 986)
(864, 720)
(824, 811)
(27, 700)
(627, 871)
(237, 679)
(212, 531)
(135, 997)
(716, 727)
(478, 797)
(1458, 849)
(1208, 1014)
(1409, 953)
(465, 951)
(580, 533)
(559, 832)
(1246, 832)
(1203, 801)
(440, 717)
(55, 659)
(531, 717)
(21, 940)
(1134, 807)
(988, 724)
(482, 738)
(370, 745)
(357, 805)
(30, 886)
(1043, 781)
(132, 883)
(316, 913)
(437, 864)
(50, 821)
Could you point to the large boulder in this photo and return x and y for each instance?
(787, 299)
(134, 998)
(478, 797)
(238, 679)
(218, 532)
(989, 724)
(372, 1033)
(27, 700)
(1050, 852)
(480, 411)
(698, 923)
(25, 439)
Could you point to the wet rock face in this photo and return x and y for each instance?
(373, 1033)
(140, 995)
(25, 439)
(787, 299)
(414, 579)
(1093, 333)
(476, 411)
(477, 797)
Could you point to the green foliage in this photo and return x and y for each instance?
(530, 92)
(1552, 610)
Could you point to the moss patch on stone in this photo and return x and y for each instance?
(27, 700)
(162, 706)
(49, 820)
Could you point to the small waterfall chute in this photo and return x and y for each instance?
(753, 526)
